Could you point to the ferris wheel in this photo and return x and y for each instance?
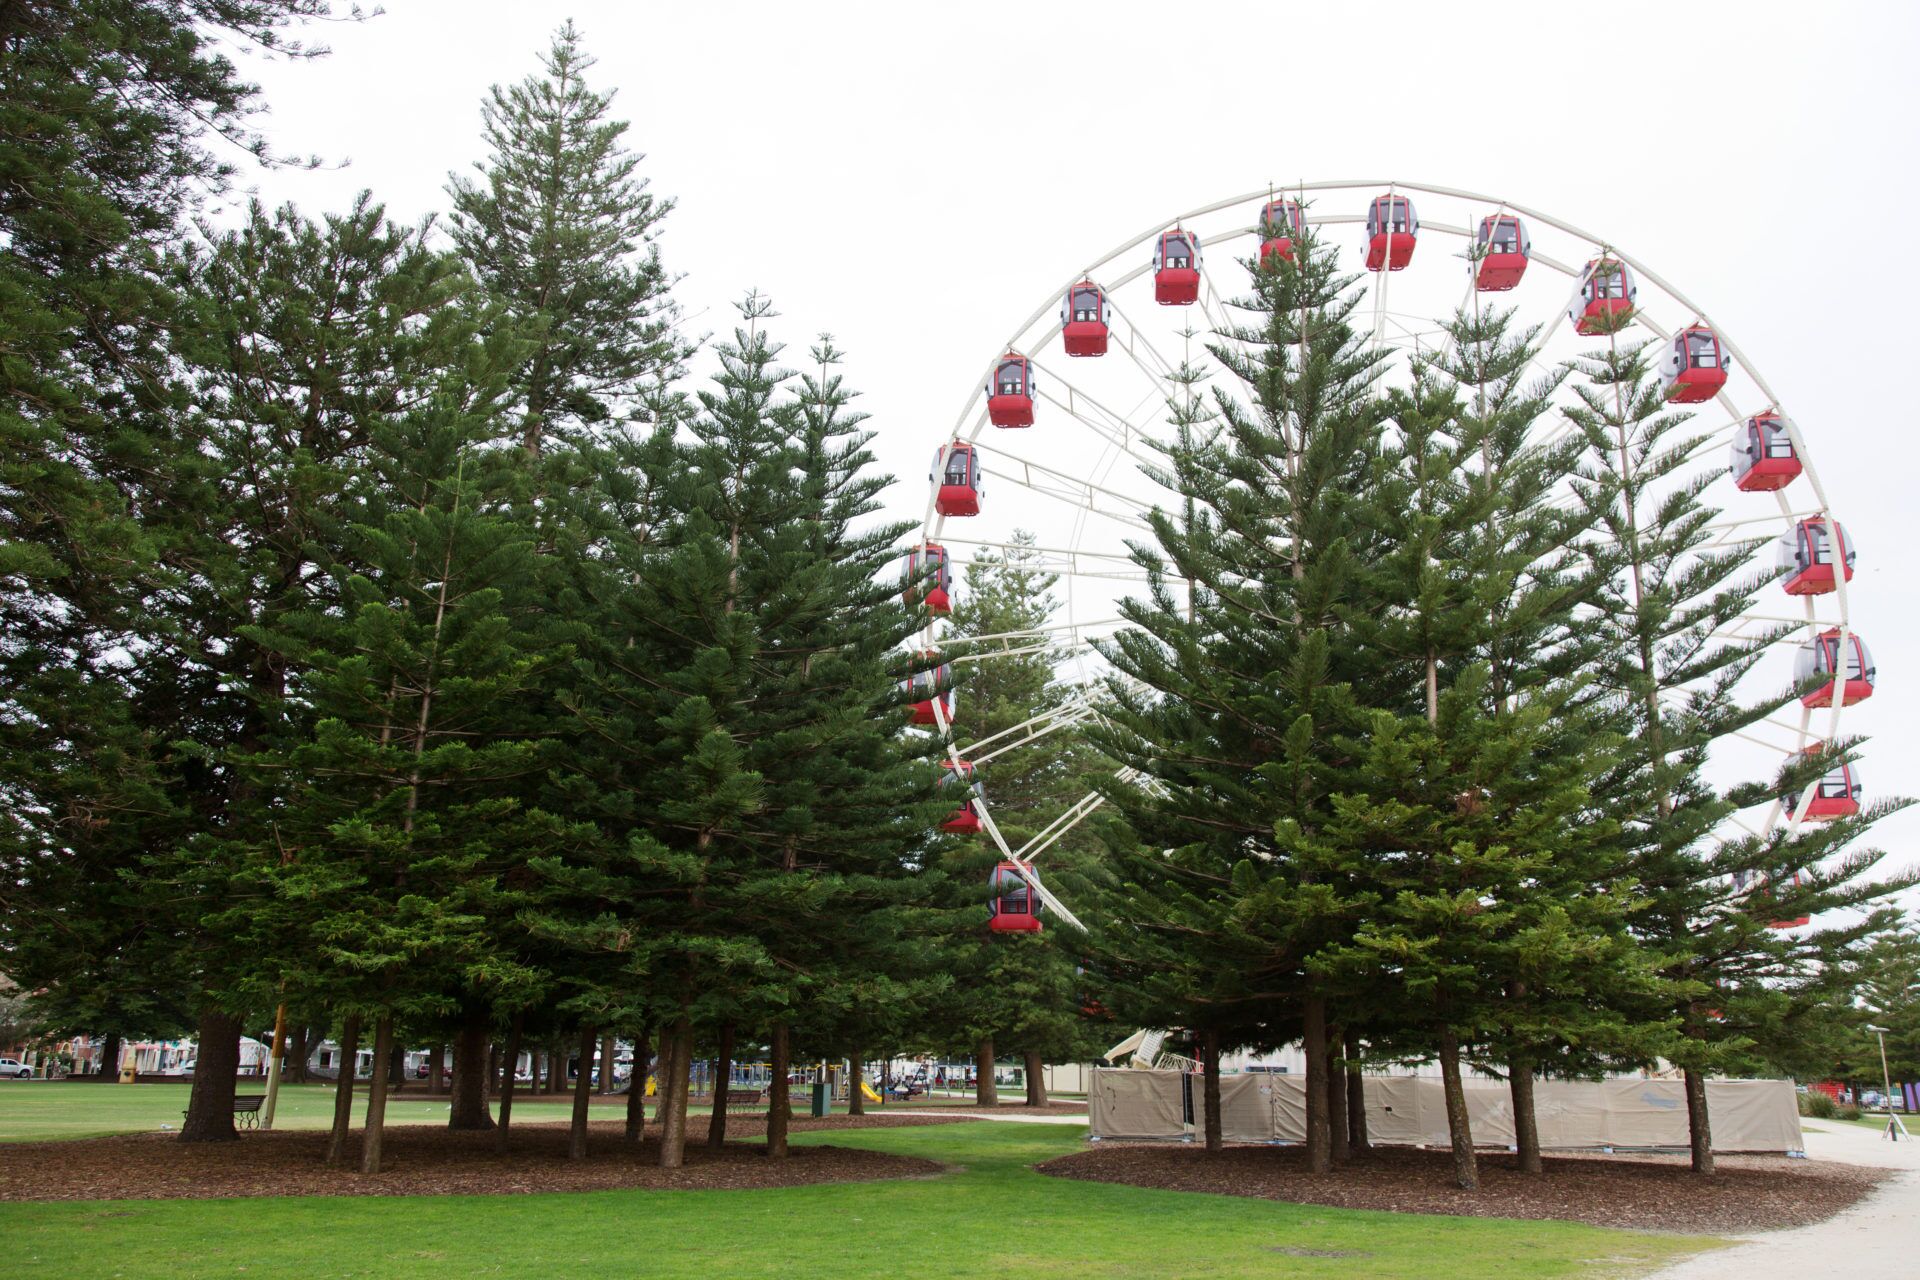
(1056, 438)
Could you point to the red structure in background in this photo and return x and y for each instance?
(929, 578)
(1280, 222)
(1392, 228)
(1763, 457)
(964, 820)
(1696, 366)
(1015, 908)
(1505, 249)
(1010, 393)
(959, 480)
(1806, 556)
(1607, 295)
(1819, 658)
(1176, 269)
(1083, 320)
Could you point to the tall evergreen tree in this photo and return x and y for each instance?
(105, 114)
(415, 679)
(1669, 663)
(561, 229)
(1233, 697)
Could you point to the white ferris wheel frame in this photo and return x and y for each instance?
(1120, 430)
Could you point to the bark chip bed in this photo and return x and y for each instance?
(1645, 1193)
(430, 1160)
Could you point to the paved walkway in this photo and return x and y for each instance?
(1049, 1117)
(1877, 1239)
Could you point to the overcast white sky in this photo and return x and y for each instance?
(917, 179)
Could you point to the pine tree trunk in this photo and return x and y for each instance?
(397, 1068)
(722, 1075)
(1358, 1143)
(1466, 1170)
(343, 1091)
(609, 1045)
(673, 1125)
(557, 1069)
(110, 1056)
(582, 1095)
(986, 1092)
(1339, 1135)
(437, 1070)
(779, 1101)
(664, 1081)
(493, 1066)
(1036, 1079)
(856, 1078)
(1314, 1042)
(1699, 1130)
(373, 1141)
(1210, 1068)
(1526, 1123)
(294, 1069)
(637, 1088)
(467, 1108)
(215, 1074)
(502, 1132)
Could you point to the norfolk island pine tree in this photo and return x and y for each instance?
(561, 231)
(1666, 666)
(1229, 699)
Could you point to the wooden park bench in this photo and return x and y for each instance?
(246, 1109)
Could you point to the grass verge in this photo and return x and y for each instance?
(990, 1216)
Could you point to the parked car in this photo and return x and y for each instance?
(14, 1069)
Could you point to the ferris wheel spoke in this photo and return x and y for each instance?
(1034, 733)
(1119, 429)
(1086, 488)
(1080, 496)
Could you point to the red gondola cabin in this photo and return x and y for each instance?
(1503, 249)
(958, 476)
(1083, 320)
(1807, 556)
(1176, 269)
(1819, 659)
(1392, 227)
(1836, 795)
(931, 689)
(1280, 222)
(1757, 883)
(1763, 455)
(1696, 366)
(1607, 294)
(964, 820)
(1014, 908)
(1010, 394)
(928, 575)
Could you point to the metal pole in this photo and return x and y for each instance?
(273, 1065)
(1886, 1083)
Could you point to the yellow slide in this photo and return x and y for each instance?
(866, 1091)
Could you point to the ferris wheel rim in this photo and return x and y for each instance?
(973, 417)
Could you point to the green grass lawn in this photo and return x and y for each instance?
(991, 1215)
(35, 1111)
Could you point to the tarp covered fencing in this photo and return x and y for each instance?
(1259, 1106)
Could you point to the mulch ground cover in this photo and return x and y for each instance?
(431, 1160)
(1646, 1193)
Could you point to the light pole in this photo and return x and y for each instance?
(1895, 1130)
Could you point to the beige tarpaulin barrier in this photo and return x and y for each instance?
(1255, 1106)
(1125, 1103)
